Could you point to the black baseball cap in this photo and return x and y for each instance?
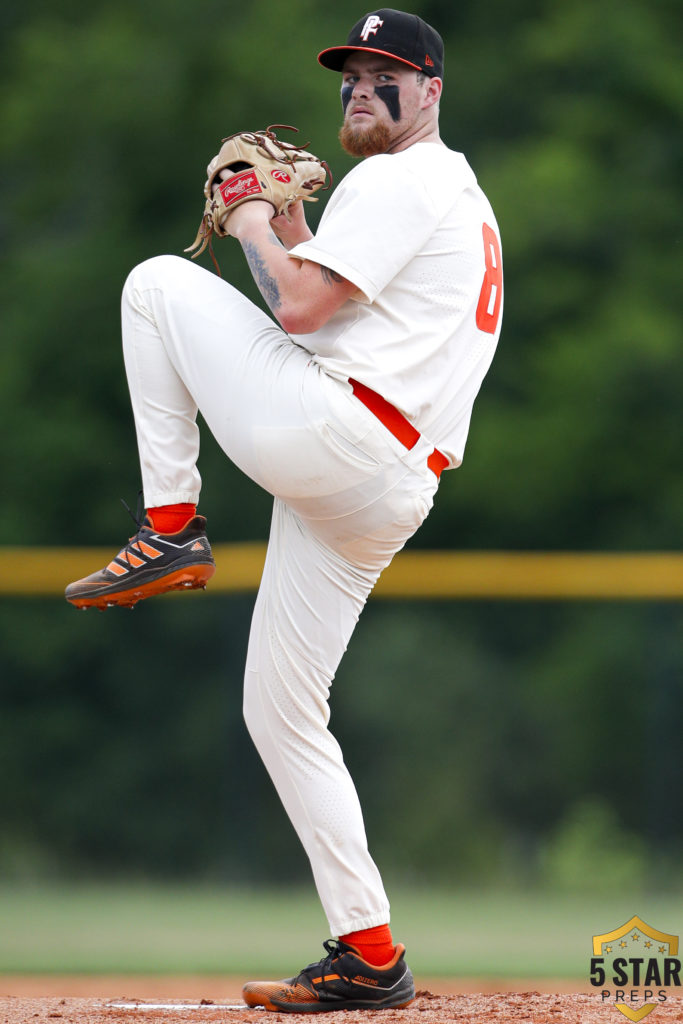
(404, 37)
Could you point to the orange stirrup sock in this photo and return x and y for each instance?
(375, 945)
(171, 518)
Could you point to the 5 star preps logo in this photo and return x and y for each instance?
(633, 966)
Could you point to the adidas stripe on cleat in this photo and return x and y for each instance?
(340, 981)
(151, 563)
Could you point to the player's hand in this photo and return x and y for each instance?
(248, 217)
(291, 232)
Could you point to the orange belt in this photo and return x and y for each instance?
(396, 423)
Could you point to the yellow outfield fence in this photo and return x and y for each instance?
(426, 575)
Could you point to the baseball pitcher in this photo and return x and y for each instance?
(347, 405)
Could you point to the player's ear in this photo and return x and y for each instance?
(433, 92)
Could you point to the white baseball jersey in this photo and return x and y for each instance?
(418, 237)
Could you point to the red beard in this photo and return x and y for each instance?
(365, 141)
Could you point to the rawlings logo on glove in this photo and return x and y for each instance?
(239, 187)
(263, 167)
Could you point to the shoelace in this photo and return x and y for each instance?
(138, 518)
(335, 950)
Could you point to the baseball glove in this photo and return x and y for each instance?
(261, 166)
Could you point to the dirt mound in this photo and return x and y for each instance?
(428, 1008)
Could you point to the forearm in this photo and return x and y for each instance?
(276, 275)
(303, 295)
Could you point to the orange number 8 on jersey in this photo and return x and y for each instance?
(488, 307)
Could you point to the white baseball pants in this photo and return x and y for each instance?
(347, 497)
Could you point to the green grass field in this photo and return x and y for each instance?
(187, 929)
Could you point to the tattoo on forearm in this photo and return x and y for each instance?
(330, 276)
(267, 284)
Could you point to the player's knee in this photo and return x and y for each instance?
(154, 272)
(268, 717)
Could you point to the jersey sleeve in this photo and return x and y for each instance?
(379, 217)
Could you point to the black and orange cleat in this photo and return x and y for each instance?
(340, 981)
(151, 563)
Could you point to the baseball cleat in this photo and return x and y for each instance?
(151, 563)
(340, 981)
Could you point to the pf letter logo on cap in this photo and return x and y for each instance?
(370, 27)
